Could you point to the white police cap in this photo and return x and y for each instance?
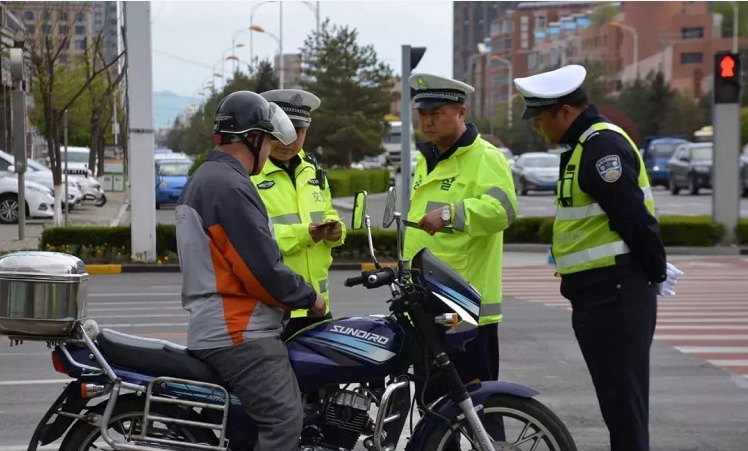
(551, 88)
(297, 104)
(433, 91)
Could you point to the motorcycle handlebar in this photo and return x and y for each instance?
(373, 279)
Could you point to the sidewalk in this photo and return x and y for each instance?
(84, 214)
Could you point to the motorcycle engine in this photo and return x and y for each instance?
(344, 416)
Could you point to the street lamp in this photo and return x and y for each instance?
(223, 59)
(259, 29)
(233, 41)
(251, 22)
(315, 10)
(236, 59)
(635, 35)
(509, 88)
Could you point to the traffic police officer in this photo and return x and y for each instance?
(462, 200)
(606, 246)
(297, 197)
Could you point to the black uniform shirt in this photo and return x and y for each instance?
(290, 169)
(621, 199)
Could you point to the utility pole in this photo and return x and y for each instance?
(18, 137)
(140, 106)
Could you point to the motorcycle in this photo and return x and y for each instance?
(356, 375)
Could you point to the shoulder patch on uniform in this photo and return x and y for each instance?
(266, 184)
(314, 182)
(609, 168)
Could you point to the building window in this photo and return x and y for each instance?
(532, 60)
(80, 17)
(63, 16)
(691, 58)
(525, 27)
(80, 44)
(66, 44)
(692, 32)
(80, 29)
(525, 43)
(63, 29)
(540, 23)
(525, 20)
(28, 15)
(48, 29)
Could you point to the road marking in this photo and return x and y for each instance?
(130, 309)
(150, 315)
(703, 321)
(35, 382)
(10, 354)
(728, 362)
(124, 295)
(145, 325)
(712, 349)
(135, 303)
(25, 447)
(701, 337)
(705, 315)
(701, 327)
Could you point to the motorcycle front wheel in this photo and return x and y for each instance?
(528, 425)
(126, 423)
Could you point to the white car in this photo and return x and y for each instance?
(39, 200)
(90, 189)
(37, 172)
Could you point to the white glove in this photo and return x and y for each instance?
(667, 288)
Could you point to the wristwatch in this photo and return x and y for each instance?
(446, 215)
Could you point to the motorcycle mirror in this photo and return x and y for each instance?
(359, 211)
(389, 208)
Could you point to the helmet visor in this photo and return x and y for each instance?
(282, 127)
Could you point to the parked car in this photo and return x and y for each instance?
(171, 176)
(91, 189)
(691, 167)
(536, 171)
(77, 161)
(509, 156)
(39, 200)
(657, 157)
(36, 172)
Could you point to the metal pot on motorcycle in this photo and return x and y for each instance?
(389, 208)
(358, 220)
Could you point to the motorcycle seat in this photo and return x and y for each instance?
(154, 357)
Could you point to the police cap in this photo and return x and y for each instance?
(548, 89)
(433, 91)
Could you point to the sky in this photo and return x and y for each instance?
(201, 31)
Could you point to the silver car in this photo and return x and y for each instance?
(536, 171)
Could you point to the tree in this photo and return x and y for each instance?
(356, 92)
(49, 58)
(685, 116)
(604, 13)
(725, 8)
(196, 137)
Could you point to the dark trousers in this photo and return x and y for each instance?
(614, 322)
(260, 374)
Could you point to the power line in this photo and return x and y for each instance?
(184, 60)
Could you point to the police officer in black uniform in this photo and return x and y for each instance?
(607, 248)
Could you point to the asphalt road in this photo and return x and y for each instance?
(694, 405)
(533, 204)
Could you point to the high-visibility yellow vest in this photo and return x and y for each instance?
(582, 238)
(291, 209)
(476, 182)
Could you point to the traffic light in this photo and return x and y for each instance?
(726, 77)
(416, 53)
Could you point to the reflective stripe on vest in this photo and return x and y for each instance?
(588, 211)
(289, 219)
(588, 255)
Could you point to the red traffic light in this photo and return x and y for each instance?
(727, 67)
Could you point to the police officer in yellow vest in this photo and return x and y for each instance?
(297, 197)
(606, 246)
(462, 200)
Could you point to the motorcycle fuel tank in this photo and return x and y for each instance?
(345, 350)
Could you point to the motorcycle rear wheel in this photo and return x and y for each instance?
(542, 430)
(126, 422)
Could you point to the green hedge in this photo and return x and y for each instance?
(347, 182)
(112, 244)
(742, 232)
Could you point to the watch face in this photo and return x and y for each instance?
(445, 215)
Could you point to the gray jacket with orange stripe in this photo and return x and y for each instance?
(235, 284)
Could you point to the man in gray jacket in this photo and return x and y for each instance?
(235, 285)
